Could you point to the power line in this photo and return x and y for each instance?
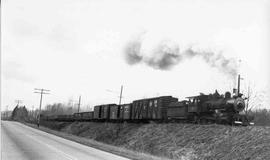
(41, 92)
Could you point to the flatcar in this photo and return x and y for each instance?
(83, 116)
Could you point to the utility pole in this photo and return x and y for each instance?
(32, 113)
(248, 98)
(41, 92)
(115, 92)
(79, 104)
(6, 112)
(18, 101)
(121, 95)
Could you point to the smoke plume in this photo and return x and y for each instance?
(223, 64)
(166, 54)
(132, 52)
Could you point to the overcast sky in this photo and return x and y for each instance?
(78, 48)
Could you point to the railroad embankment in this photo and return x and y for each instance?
(177, 141)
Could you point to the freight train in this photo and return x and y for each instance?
(201, 109)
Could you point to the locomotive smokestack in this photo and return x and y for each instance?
(238, 85)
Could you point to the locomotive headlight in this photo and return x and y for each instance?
(239, 104)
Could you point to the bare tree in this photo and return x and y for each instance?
(254, 99)
(248, 106)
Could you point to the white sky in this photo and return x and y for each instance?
(76, 48)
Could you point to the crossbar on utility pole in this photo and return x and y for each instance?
(41, 92)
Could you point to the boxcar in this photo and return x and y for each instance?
(152, 108)
(87, 115)
(97, 112)
(125, 111)
(105, 111)
(76, 116)
(114, 112)
(102, 111)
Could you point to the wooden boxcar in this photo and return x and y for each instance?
(106, 111)
(152, 108)
(125, 111)
(97, 112)
(102, 111)
(76, 116)
(114, 112)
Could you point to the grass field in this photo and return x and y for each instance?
(131, 154)
(177, 141)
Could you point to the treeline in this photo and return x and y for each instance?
(58, 109)
(261, 117)
(19, 114)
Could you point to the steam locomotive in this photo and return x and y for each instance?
(201, 109)
(212, 108)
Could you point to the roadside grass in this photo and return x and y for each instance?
(169, 140)
(98, 145)
(187, 141)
